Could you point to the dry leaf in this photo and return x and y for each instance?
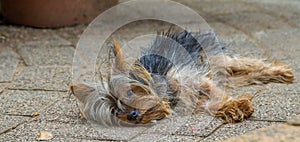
(35, 114)
(294, 121)
(44, 136)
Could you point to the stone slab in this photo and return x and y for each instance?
(288, 11)
(15, 102)
(65, 110)
(253, 21)
(199, 125)
(275, 133)
(219, 7)
(50, 39)
(164, 138)
(39, 55)
(224, 31)
(276, 106)
(7, 121)
(29, 131)
(244, 45)
(230, 130)
(48, 78)
(191, 125)
(282, 44)
(8, 63)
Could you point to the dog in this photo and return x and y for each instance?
(179, 73)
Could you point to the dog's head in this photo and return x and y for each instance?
(130, 95)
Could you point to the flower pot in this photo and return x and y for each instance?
(53, 13)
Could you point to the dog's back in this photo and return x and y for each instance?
(173, 50)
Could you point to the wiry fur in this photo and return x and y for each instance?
(176, 74)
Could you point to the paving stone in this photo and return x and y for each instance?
(29, 131)
(217, 7)
(271, 106)
(244, 46)
(49, 78)
(288, 11)
(164, 138)
(230, 130)
(50, 40)
(7, 122)
(275, 133)
(254, 21)
(199, 125)
(44, 55)
(8, 63)
(17, 102)
(65, 110)
(223, 30)
(281, 43)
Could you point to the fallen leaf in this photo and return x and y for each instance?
(44, 136)
(35, 114)
(294, 121)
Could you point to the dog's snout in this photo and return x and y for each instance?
(133, 115)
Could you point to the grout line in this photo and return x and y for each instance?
(37, 89)
(34, 116)
(5, 81)
(24, 115)
(266, 120)
(214, 130)
(13, 127)
(93, 138)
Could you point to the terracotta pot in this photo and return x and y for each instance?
(53, 13)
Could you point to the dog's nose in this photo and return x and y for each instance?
(133, 115)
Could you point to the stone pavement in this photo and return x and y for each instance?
(35, 70)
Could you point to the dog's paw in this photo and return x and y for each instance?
(280, 73)
(236, 110)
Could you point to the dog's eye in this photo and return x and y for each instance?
(130, 93)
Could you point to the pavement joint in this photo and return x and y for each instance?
(13, 127)
(37, 89)
(265, 120)
(94, 138)
(204, 136)
(33, 117)
(251, 37)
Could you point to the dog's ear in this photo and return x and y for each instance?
(139, 73)
(81, 91)
(120, 62)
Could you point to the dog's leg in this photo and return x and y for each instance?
(241, 71)
(222, 105)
